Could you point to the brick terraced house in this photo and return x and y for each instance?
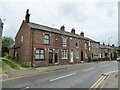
(38, 45)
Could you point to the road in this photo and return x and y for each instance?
(76, 77)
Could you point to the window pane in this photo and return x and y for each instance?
(37, 51)
(41, 51)
(62, 54)
(41, 56)
(46, 39)
(36, 56)
(64, 41)
(65, 53)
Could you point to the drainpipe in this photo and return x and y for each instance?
(32, 48)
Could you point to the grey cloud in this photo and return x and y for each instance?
(106, 7)
(72, 11)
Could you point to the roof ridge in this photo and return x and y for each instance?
(52, 29)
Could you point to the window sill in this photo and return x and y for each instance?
(39, 59)
(46, 44)
(64, 46)
(64, 58)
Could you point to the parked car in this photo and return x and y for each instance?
(118, 59)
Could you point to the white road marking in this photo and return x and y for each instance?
(25, 88)
(102, 62)
(104, 65)
(89, 63)
(63, 76)
(88, 69)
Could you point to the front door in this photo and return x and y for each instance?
(56, 56)
(50, 56)
(71, 56)
(81, 55)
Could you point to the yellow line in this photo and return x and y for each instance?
(100, 80)
(97, 82)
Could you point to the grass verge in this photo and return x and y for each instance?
(12, 64)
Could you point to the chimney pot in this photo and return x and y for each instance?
(62, 28)
(73, 31)
(82, 34)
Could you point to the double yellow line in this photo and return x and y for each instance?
(100, 80)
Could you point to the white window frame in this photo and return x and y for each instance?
(77, 54)
(46, 39)
(38, 53)
(85, 45)
(86, 56)
(64, 54)
(22, 38)
(64, 41)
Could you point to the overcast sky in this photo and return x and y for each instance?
(98, 19)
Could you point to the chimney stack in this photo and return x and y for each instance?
(82, 34)
(62, 28)
(103, 43)
(73, 31)
(113, 45)
(27, 16)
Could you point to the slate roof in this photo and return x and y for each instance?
(54, 30)
(58, 31)
(90, 39)
(105, 47)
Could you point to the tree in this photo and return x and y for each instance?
(7, 42)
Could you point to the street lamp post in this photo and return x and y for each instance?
(109, 48)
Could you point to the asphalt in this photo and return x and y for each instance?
(75, 76)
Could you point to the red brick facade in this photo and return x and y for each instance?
(29, 39)
(41, 45)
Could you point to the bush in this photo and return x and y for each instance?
(6, 55)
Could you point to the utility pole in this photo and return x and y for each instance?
(1, 29)
(109, 50)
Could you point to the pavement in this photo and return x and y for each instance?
(82, 75)
(39, 70)
(111, 81)
(108, 80)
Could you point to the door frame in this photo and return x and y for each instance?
(72, 59)
(82, 56)
(52, 55)
(56, 52)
